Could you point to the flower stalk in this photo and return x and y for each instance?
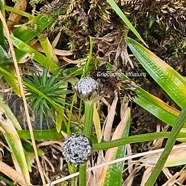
(89, 107)
(87, 89)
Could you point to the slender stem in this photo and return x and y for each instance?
(79, 114)
(89, 107)
(2, 38)
(82, 174)
(70, 115)
(72, 169)
(130, 139)
(168, 147)
(89, 59)
(24, 98)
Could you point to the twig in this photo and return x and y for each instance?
(23, 96)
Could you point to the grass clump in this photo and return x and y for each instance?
(45, 87)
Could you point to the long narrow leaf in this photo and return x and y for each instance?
(10, 115)
(48, 49)
(17, 11)
(156, 106)
(13, 83)
(134, 139)
(2, 38)
(168, 147)
(113, 173)
(26, 34)
(170, 80)
(14, 143)
(125, 19)
(40, 58)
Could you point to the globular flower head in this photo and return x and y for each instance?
(87, 88)
(77, 149)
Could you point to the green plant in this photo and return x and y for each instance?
(87, 89)
(173, 84)
(49, 85)
(48, 97)
(8, 125)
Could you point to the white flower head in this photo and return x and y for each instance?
(87, 88)
(77, 149)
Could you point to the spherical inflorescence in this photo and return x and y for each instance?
(77, 149)
(87, 88)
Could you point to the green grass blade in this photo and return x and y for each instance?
(40, 58)
(114, 173)
(85, 69)
(170, 80)
(22, 56)
(125, 19)
(60, 114)
(59, 119)
(2, 7)
(48, 49)
(89, 108)
(14, 143)
(13, 83)
(51, 134)
(26, 34)
(152, 104)
(19, 12)
(9, 77)
(2, 38)
(156, 106)
(6, 181)
(7, 73)
(42, 95)
(10, 115)
(5, 58)
(133, 139)
(168, 147)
